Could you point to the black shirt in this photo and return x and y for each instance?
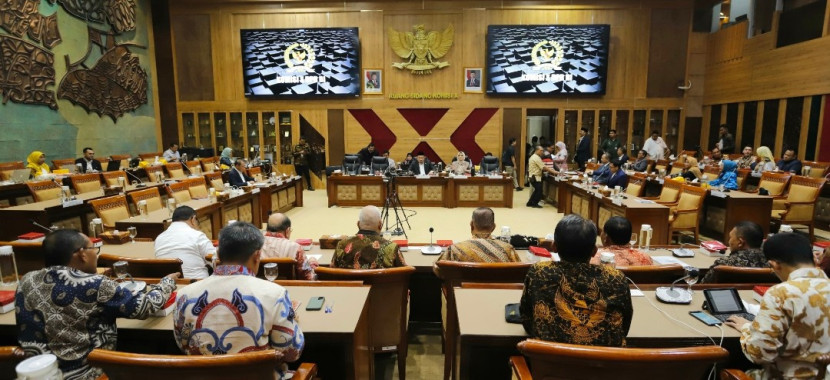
(507, 157)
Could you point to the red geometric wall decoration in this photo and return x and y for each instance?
(380, 133)
(464, 136)
(423, 146)
(423, 119)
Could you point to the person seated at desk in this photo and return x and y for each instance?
(766, 162)
(461, 164)
(789, 163)
(747, 161)
(791, 329)
(67, 309)
(36, 163)
(482, 248)
(617, 176)
(407, 161)
(237, 176)
(184, 240)
(421, 166)
(573, 301)
(172, 153)
(716, 159)
(389, 160)
(728, 177)
(641, 163)
(367, 250)
(601, 174)
(252, 314)
(822, 259)
(278, 244)
(691, 170)
(745, 241)
(366, 154)
(225, 158)
(622, 156)
(615, 237)
(88, 163)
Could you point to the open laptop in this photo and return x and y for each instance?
(725, 302)
(113, 165)
(72, 169)
(19, 175)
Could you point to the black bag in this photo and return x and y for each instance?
(523, 242)
(511, 313)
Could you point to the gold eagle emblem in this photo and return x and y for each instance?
(420, 49)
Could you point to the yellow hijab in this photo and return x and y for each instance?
(765, 154)
(35, 168)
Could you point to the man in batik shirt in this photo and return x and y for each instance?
(67, 309)
(482, 248)
(367, 250)
(616, 233)
(573, 301)
(233, 311)
(744, 249)
(278, 243)
(792, 328)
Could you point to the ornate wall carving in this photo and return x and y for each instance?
(26, 72)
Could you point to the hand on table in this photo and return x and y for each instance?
(173, 276)
(736, 322)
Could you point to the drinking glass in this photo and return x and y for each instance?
(120, 269)
(633, 239)
(387, 235)
(133, 233)
(271, 271)
(692, 274)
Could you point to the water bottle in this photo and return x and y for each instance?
(40, 367)
(645, 236)
(607, 258)
(96, 228)
(8, 266)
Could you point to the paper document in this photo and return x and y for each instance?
(315, 256)
(637, 293)
(668, 260)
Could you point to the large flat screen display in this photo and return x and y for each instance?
(308, 63)
(547, 59)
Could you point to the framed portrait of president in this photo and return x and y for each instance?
(473, 79)
(373, 81)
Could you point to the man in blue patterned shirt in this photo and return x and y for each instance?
(233, 311)
(67, 309)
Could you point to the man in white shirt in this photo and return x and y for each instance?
(421, 166)
(655, 146)
(172, 153)
(183, 240)
(391, 161)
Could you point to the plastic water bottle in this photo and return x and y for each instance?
(41, 367)
(8, 266)
(607, 258)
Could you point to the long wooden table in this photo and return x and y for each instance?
(275, 197)
(420, 192)
(487, 340)
(721, 214)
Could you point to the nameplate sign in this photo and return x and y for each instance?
(718, 194)
(598, 195)
(617, 202)
(255, 191)
(74, 202)
(422, 176)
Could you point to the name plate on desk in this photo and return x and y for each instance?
(422, 176)
(495, 176)
(74, 202)
(718, 194)
(297, 177)
(255, 191)
(598, 195)
(661, 180)
(617, 202)
(755, 174)
(459, 177)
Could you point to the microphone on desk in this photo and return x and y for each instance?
(140, 182)
(679, 296)
(431, 249)
(36, 224)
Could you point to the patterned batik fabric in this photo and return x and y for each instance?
(624, 256)
(68, 313)
(576, 303)
(233, 311)
(479, 250)
(367, 250)
(792, 329)
(748, 258)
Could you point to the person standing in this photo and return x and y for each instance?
(88, 163)
(366, 154)
(301, 152)
(535, 168)
(583, 149)
(508, 162)
(726, 142)
(610, 145)
(655, 146)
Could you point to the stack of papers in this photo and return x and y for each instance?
(669, 260)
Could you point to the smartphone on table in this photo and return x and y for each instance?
(705, 318)
(315, 303)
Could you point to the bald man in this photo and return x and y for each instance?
(367, 250)
(278, 244)
(482, 248)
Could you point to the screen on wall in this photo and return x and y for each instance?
(309, 63)
(547, 59)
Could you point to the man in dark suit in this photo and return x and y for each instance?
(421, 166)
(367, 153)
(473, 81)
(583, 149)
(88, 163)
(617, 176)
(237, 176)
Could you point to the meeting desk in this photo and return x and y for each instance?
(337, 341)
(279, 197)
(723, 210)
(433, 191)
(487, 340)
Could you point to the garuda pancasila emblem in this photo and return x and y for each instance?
(420, 49)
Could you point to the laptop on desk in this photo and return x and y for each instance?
(72, 169)
(19, 175)
(723, 303)
(113, 165)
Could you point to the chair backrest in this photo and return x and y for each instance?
(141, 267)
(691, 198)
(742, 175)
(489, 164)
(256, 173)
(10, 356)
(124, 158)
(653, 274)
(180, 191)
(197, 187)
(775, 183)
(111, 178)
(128, 366)
(61, 162)
(153, 173)
(712, 170)
(6, 169)
(388, 300)
(650, 166)
(661, 165)
(550, 360)
(351, 164)
(151, 195)
(817, 169)
(194, 166)
(86, 183)
(636, 184)
(671, 191)
(44, 190)
(379, 163)
(150, 155)
(174, 170)
(28, 256)
(803, 189)
(314, 283)
(111, 209)
(214, 180)
(726, 274)
(453, 273)
(591, 166)
(208, 164)
(286, 267)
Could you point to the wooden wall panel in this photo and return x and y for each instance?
(194, 60)
(335, 142)
(668, 51)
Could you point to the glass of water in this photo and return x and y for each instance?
(120, 269)
(387, 235)
(633, 240)
(271, 271)
(133, 233)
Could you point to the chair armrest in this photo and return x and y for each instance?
(788, 203)
(688, 211)
(306, 371)
(667, 204)
(520, 369)
(733, 374)
(650, 198)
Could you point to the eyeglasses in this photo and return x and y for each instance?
(97, 249)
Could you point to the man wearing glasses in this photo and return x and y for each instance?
(67, 309)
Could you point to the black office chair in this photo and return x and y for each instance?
(379, 163)
(489, 164)
(351, 164)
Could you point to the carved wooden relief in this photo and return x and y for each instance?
(87, 10)
(119, 13)
(26, 72)
(20, 17)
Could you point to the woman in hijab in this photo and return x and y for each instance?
(36, 164)
(691, 170)
(560, 160)
(460, 164)
(728, 177)
(225, 158)
(767, 161)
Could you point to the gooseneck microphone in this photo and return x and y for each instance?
(36, 224)
(431, 249)
(140, 182)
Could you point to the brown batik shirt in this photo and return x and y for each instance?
(367, 250)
